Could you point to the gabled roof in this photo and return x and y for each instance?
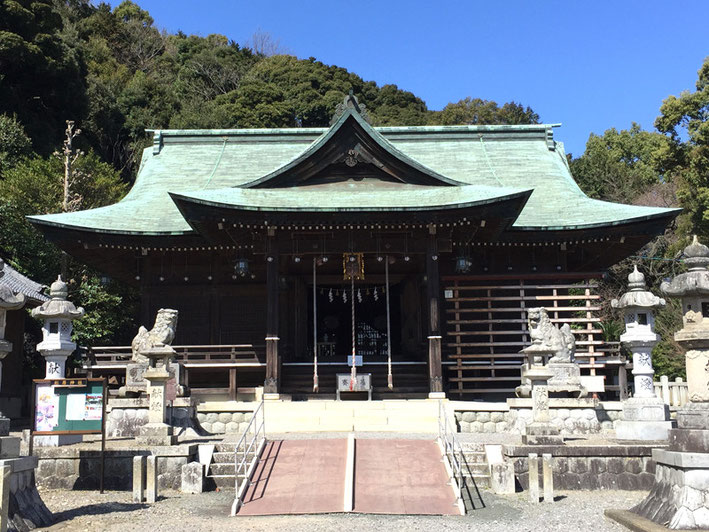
(21, 284)
(352, 141)
(218, 165)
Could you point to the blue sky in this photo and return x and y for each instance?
(589, 65)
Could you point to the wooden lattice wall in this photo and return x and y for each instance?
(486, 327)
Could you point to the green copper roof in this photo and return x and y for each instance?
(351, 197)
(191, 163)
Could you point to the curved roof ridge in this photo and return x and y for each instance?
(302, 167)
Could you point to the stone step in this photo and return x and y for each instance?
(475, 457)
(472, 482)
(223, 482)
(221, 469)
(476, 469)
(224, 457)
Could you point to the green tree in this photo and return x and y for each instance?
(621, 165)
(35, 186)
(684, 119)
(41, 76)
(472, 111)
(14, 143)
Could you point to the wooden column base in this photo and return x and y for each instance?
(435, 370)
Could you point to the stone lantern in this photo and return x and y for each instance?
(679, 497)
(645, 416)
(8, 301)
(58, 314)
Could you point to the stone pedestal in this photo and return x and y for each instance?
(540, 431)
(644, 419)
(136, 383)
(157, 431)
(566, 378)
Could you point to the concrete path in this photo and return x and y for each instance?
(298, 477)
(402, 477)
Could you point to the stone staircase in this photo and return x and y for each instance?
(403, 416)
(220, 473)
(476, 470)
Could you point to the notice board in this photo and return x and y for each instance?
(69, 406)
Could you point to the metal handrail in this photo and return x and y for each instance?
(245, 466)
(452, 450)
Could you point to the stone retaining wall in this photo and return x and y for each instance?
(72, 468)
(224, 422)
(616, 467)
(125, 416)
(571, 416)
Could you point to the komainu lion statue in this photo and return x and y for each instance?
(162, 333)
(543, 332)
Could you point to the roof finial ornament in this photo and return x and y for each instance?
(350, 102)
(636, 280)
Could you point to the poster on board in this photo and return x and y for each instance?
(47, 410)
(93, 407)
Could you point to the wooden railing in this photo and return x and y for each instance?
(191, 355)
(112, 361)
(674, 394)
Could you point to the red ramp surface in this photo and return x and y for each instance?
(298, 477)
(401, 477)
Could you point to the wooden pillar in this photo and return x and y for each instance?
(271, 384)
(435, 369)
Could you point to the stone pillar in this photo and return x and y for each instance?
(540, 431)
(138, 478)
(157, 431)
(680, 495)
(533, 461)
(645, 416)
(58, 314)
(271, 385)
(435, 368)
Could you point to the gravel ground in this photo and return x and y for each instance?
(174, 512)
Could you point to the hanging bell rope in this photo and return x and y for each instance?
(316, 386)
(353, 372)
(390, 377)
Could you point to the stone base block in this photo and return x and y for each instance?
(156, 434)
(689, 440)
(136, 383)
(437, 395)
(542, 434)
(639, 409)
(643, 430)
(502, 478)
(26, 510)
(677, 498)
(57, 441)
(192, 478)
(693, 416)
(9, 447)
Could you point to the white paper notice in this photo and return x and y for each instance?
(76, 407)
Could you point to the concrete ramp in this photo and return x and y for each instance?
(391, 476)
(298, 477)
(402, 477)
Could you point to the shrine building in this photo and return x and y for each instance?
(418, 249)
